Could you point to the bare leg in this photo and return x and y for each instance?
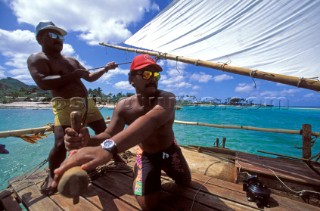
(98, 126)
(149, 202)
(56, 156)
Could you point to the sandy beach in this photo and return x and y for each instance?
(34, 105)
(39, 105)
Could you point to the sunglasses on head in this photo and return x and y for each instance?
(146, 74)
(56, 36)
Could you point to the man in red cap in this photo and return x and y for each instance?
(150, 116)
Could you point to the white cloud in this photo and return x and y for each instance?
(310, 95)
(101, 21)
(174, 65)
(201, 77)
(289, 92)
(204, 78)
(124, 85)
(280, 93)
(181, 84)
(112, 73)
(244, 88)
(16, 46)
(98, 21)
(2, 70)
(195, 87)
(174, 79)
(223, 77)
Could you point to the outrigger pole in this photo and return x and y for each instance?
(49, 128)
(312, 84)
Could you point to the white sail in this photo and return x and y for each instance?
(278, 36)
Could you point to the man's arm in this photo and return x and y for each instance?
(145, 125)
(91, 157)
(40, 72)
(93, 76)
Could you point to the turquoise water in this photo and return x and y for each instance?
(24, 156)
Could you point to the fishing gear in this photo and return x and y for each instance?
(104, 66)
(256, 191)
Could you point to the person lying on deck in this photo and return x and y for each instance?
(150, 116)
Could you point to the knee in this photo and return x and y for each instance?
(59, 139)
(59, 146)
(149, 202)
(185, 180)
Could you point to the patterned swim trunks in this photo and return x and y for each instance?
(147, 170)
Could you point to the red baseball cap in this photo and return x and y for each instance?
(143, 60)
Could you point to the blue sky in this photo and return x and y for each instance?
(91, 22)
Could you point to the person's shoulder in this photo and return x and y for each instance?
(37, 56)
(163, 93)
(125, 104)
(124, 100)
(70, 58)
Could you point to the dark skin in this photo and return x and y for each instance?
(149, 115)
(62, 76)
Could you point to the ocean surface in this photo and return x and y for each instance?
(23, 156)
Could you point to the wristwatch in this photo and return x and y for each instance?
(110, 146)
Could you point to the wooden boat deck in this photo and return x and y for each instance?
(113, 191)
(287, 169)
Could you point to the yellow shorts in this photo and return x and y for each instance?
(63, 107)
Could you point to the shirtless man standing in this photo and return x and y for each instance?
(61, 75)
(149, 115)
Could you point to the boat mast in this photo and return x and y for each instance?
(312, 84)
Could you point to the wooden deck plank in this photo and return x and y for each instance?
(35, 201)
(113, 191)
(199, 193)
(276, 202)
(177, 202)
(105, 200)
(119, 185)
(67, 203)
(28, 190)
(288, 169)
(7, 201)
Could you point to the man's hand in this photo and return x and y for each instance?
(88, 158)
(110, 66)
(74, 140)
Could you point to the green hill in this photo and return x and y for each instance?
(11, 87)
(8, 84)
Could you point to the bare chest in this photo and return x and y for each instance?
(61, 66)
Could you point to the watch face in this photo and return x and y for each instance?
(108, 144)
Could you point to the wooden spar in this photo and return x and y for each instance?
(273, 130)
(49, 128)
(289, 80)
(281, 155)
(43, 129)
